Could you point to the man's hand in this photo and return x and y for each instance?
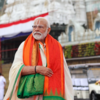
(44, 71)
(26, 70)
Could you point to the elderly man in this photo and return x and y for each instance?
(39, 70)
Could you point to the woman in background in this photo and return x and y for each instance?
(2, 86)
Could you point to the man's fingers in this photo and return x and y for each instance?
(46, 71)
(49, 75)
(50, 71)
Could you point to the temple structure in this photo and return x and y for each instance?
(72, 21)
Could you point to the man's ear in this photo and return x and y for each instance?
(49, 29)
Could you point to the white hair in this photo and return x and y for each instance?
(48, 24)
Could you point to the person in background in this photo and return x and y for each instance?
(39, 70)
(2, 86)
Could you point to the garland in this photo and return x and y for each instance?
(82, 50)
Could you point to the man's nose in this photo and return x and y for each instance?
(37, 28)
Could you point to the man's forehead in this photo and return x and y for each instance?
(40, 21)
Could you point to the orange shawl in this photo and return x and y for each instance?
(53, 86)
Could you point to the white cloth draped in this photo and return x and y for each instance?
(18, 62)
(2, 85)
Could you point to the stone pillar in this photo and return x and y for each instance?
(90, 19)
(80, 9)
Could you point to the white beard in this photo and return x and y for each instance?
(41, 36)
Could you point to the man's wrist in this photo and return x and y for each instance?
(35, 70)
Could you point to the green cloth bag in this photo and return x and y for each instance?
(30, 85)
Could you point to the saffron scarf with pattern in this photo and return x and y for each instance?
(54, 87)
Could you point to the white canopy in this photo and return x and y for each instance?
(21, 26)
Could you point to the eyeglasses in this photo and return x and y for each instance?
(39, 26)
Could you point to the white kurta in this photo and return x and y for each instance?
(18, 62)
(2, 85)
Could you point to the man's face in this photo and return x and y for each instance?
(40, 29)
